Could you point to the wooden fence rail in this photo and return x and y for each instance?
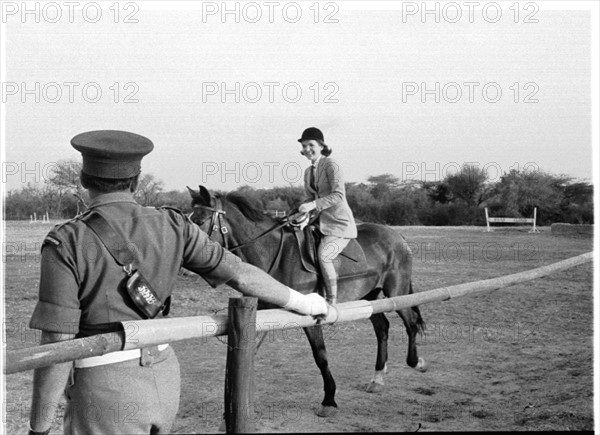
(137, 334)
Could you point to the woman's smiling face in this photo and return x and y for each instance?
(311, 149)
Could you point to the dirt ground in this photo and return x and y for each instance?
(519, 358)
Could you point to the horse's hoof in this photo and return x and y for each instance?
(422, 366)
(326, 411)
(374, 387)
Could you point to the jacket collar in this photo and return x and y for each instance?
(316, 163)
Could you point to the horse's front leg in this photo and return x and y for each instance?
(317, 344)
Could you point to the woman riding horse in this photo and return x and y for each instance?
(233, 221)
(324, 186)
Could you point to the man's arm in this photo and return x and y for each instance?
(252, 281)
(219, 266)
(48, 386)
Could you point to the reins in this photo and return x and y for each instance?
(249, 242)
(216, 224)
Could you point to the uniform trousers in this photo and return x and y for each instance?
(124, 397)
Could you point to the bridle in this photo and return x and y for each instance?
(217, 223)
(216, 220)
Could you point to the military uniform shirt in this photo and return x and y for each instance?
(81, 289)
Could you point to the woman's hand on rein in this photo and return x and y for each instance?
(307, 207)
(299, 219)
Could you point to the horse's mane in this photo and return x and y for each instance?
(247, 207)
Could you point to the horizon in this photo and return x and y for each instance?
(406, 181)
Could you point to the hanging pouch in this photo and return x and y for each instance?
(142, 294)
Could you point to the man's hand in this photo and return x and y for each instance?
(309, 305)
(318, 305)
(252, 281)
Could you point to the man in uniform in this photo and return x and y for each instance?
(84, 292)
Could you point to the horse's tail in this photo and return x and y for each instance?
(420, 321)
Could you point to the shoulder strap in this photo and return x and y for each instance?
(109, 238)
(124, 257)
(166, 207)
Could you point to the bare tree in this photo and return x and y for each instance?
(62, 183)
(149, 190)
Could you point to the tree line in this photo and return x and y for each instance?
(458, 199)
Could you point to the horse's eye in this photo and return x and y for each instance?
(196, 219)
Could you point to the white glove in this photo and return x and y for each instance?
(307, 207)
(311, 304)
(318, 305)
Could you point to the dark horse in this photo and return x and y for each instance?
(235, 223)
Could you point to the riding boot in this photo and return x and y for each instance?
(331, 290)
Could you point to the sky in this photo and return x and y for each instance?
(396, 87)
(225, 93)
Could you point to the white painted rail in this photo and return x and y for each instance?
(511, 220)
(146, 333)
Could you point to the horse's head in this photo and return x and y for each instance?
(226, 217)
(202, 203)
(208, 214)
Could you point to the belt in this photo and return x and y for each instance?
(113, 357)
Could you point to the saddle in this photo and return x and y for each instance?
(350, 262)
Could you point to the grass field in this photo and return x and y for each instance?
(520, 358)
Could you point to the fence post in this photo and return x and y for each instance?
(534, 229)
(239, 375)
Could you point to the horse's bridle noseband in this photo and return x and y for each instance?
(216, 222)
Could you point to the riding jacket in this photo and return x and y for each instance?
(329, 194)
